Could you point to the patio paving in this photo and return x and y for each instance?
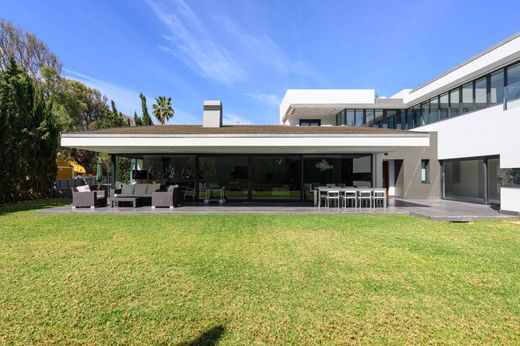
(433, 209)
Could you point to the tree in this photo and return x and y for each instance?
(162, 109)
(28, 51)
(147, 120)
(137, 120)
(29, 137)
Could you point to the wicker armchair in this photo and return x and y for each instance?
(91, 199)
(170, 198)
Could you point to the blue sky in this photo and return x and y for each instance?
(247, 53)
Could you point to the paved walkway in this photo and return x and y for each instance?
(432, 209)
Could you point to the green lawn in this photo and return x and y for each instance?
(256, 279)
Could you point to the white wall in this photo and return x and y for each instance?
(510, 199)
(325, 97)
(491, 131)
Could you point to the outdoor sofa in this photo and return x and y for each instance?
(143, 192)
(82, 196)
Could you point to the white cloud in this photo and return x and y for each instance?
(192, 42)
(235, 119)
(127, 100)
(269, 100)
(264, 50)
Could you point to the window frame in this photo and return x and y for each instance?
(318, 121)
(425, 165)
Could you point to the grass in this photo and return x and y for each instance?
(256, 279)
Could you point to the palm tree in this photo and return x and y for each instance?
(162, 109)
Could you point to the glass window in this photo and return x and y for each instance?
(444, 106)
(434, 110)
(424, 113)
(276, 177)
(360, 118)
(319, 171)
(350, 117)
(467, 97)
(481, 93)
(496, 94)
(378, 121)
(464, 180)
(370, 117)
(310, 122)
(513, 82)
(230, 172)
(425, 171)
(402, 120)
(391, 116)
(409, 119)
(454, 103)
(417, 116)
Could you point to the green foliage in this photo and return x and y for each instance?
(123, 169)
(162, 109)
(29, 137)
(147, 120)
(137, 120)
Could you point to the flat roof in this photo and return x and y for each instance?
(164, 130)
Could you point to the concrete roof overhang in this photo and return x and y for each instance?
(244, 143)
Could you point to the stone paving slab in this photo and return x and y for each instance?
(433, 209)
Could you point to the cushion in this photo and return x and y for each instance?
(127, 189)
(140, 189)
(172, 187)
(83, 188)
(152, 188)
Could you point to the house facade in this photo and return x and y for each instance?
(472, 113)
(455, 137)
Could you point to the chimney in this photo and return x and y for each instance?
(212, 113)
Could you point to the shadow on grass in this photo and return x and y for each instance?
(33, 205)
(209, 338)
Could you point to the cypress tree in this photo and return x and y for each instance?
(147, 120)
(29, 138)
(137, 120)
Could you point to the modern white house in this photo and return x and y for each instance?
(454, 137)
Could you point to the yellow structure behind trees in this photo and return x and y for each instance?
(68, 169)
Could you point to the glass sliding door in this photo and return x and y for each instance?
(276, 177)
(464, 180)
(230, 172)
(346, 170)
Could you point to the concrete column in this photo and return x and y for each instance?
(377, 169)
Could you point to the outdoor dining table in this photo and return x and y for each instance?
(317, 190)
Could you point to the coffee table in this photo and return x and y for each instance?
(117, 200)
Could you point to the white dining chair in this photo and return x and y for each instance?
(379, 198)
(349, 198)
(365, 195)
(332, 195)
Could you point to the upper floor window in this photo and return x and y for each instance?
(467, 97)
(444, 106)
(454, 102)
(310, 122)
(496, 90)
(513, 82)
(434, 110)
(481, 93)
